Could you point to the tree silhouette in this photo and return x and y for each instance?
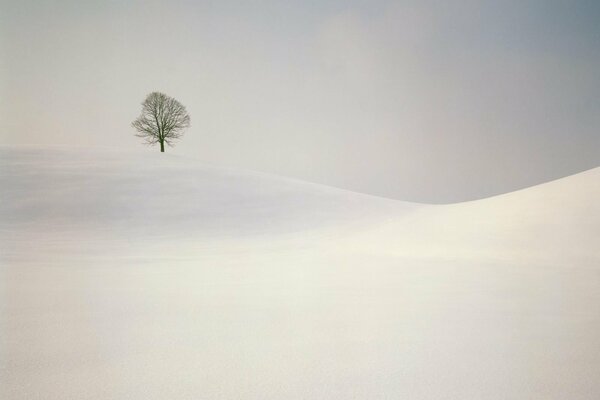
(163, 120)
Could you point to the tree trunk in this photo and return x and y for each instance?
(162, 147)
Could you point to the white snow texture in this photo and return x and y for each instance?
(149, 276)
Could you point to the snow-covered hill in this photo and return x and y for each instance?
(145, 276)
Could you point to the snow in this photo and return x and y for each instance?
(149, 276)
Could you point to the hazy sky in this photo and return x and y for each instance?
(434, 101)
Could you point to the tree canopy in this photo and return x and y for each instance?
(162, 120)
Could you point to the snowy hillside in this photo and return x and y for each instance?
(144, 276)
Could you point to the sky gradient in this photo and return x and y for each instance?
(417, 100)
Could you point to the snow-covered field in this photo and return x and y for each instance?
(149, 276)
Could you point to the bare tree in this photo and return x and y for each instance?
(163, 120)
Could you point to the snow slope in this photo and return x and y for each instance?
(148, 276)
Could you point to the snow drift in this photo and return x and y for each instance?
(156, 277)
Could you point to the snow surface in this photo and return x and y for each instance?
(148, 276)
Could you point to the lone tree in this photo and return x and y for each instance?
(163, 120)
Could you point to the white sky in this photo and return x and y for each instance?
(417, 100)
